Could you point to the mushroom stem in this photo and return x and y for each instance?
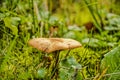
(56, 65)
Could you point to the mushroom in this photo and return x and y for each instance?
(49, 45)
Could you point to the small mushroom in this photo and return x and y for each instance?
(49, 45)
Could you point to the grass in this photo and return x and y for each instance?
(19, 23)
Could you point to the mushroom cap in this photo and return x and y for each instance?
(53, 44)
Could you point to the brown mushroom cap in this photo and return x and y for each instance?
(53, 44)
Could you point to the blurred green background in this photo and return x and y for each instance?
(94, 23)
